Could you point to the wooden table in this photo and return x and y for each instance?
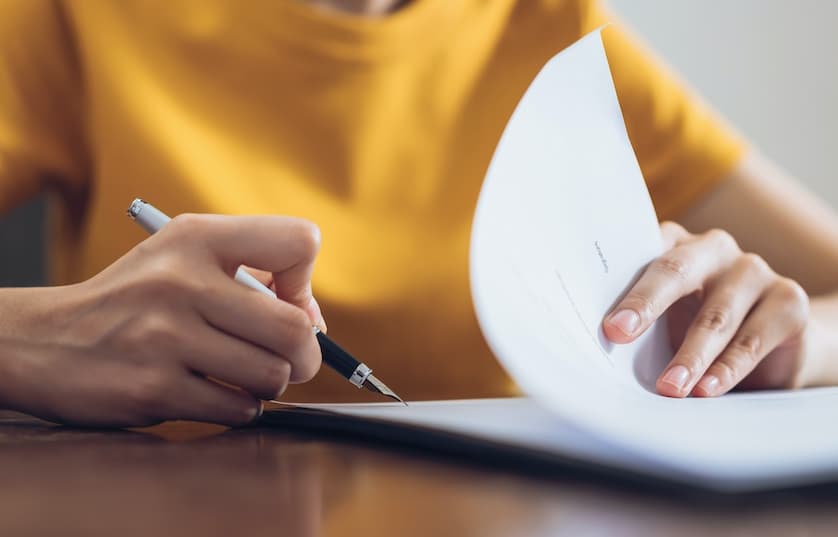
(193, 479)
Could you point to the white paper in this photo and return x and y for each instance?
(564, 198)
(524, 423)
(563, 226)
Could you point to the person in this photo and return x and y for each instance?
(372, 122)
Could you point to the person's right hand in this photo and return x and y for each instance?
(165, 332)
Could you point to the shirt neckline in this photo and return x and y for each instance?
(366, 38)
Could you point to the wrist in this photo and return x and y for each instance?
(13, 358)
(820, 359)
(810, 373)
(26, 329)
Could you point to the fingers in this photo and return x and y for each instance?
(725, 307)
(282, 245)
(262, 374)
(280, 328)
(199, 399)
(294, 286)
(747, 314)
(679, 272)
(673, 234)
(269, 243)
(311, 307)
(148, 394)
(265, 278)
(780, 315)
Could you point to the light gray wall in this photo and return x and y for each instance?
(769, 66)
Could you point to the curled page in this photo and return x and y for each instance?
(564, 225)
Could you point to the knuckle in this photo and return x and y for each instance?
(187, 224)
(299, 326)
(693, 361)
(308, 237)
(791, 291)
(669, 225)
(308, 367)
(299, 346)
(671, 266)
(155, 332)
(165, 277)
(642, 304)
(313, 235)
(721, 238)
(149, 390)
(160, 329)
(714, 318)
(796, 300)
(755, 263)
(746, 347)
(741, 358)
(754, 260)
(170, 280)
(295, 330)
(673, 229)
(725, 371)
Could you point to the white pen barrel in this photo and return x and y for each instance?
(246, 278)
(147, 216)
(152, 219)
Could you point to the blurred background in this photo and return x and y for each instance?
(767, 65)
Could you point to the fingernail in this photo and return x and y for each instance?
(314, 309)
(254, 413)
(709, 385)
(628, 321)
(676, 376)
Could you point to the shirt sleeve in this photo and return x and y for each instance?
(683, 147)
(41, 142)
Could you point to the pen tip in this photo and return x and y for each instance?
(374, 385)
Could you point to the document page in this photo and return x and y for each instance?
(564, 225)
(526, 425)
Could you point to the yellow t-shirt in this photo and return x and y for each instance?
(377, 129)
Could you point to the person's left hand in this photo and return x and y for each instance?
(731, 318)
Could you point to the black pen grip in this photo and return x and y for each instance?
(335, 357)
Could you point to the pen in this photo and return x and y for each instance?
(357, 373)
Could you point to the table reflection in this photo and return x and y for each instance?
(191, 479)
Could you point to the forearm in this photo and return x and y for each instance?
(22, 338)
(22, 309)
(772, 215)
